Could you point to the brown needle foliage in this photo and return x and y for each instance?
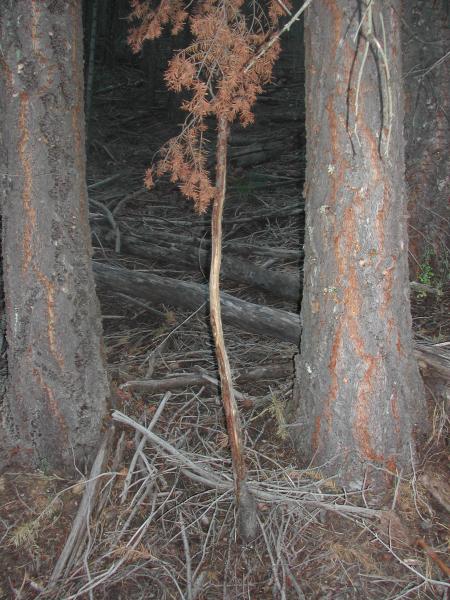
(222, 69)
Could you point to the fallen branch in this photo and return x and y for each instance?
(283, 492)
(80, 528)
(178, 456)
(259, 152)
(180, 382)
(230, 247)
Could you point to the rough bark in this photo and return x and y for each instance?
(426, 40)
(360, 394)
(57, 380)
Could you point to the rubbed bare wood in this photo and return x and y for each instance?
(244, 499)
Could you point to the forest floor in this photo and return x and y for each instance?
(161, 523)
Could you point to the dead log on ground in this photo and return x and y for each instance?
(241, 271)
(259, 152)
(435, 357)
(230, 247)
(246, 316)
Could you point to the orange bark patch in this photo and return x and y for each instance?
(391, 464)
(316, 434)
(8, 74)
(361, 423)
(370, 142)
(348, 243)
(29, 211)
(49, 288)
(351, 300)
(381, 217)
(333, 126)
(388, 278)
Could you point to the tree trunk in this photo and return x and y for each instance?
(426, 38)
(57, 380)
(359, 395)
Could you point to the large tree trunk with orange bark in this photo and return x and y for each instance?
(359, 394)
(57, 390)
(426, 38)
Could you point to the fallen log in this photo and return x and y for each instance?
(282, 285)
(246, 316)
(435, 357)
(229, 247)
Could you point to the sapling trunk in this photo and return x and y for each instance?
(246, 505)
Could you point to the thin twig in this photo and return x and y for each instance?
(277, 35)
(140, 447)
(187, 558)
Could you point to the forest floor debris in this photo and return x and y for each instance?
(160, 523)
